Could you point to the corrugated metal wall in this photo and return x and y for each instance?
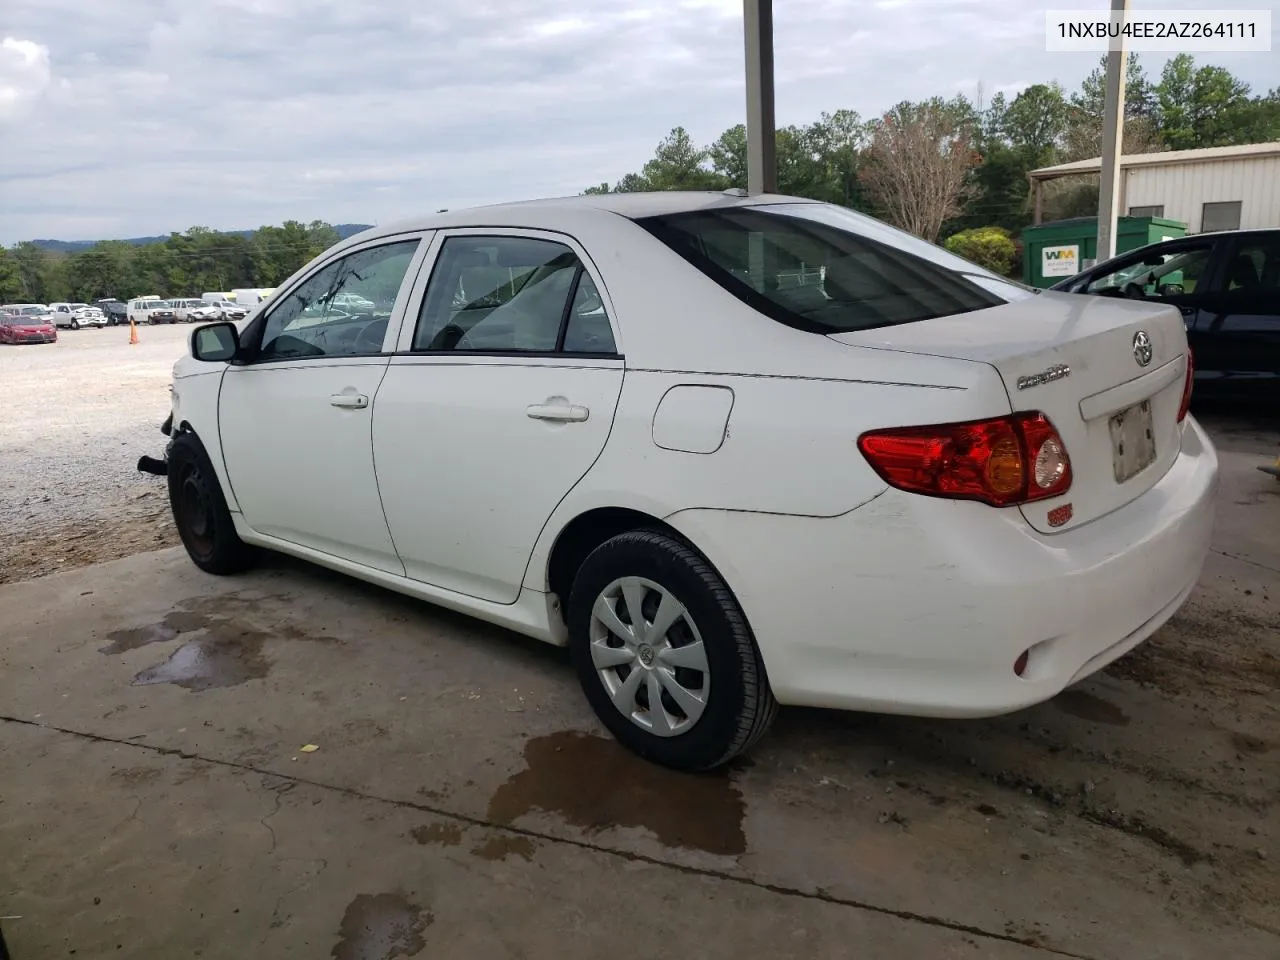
(1184, 188)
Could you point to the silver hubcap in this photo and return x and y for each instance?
(649, 656)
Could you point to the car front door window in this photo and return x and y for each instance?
(1157, 276)
(341, 310)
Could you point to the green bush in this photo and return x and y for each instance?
(990, 247)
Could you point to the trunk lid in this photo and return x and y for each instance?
(1079, 360)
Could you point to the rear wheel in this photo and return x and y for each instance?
(200, 511)
(664, 653)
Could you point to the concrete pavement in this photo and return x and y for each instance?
(462, 801)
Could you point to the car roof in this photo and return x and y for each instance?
(562, 212)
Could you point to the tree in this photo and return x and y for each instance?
(918, 163)
(1209, 107)
(1139, 95)
(10, 282)
(33, 273)
(990, 247)
(679, 164)
(728, 156)
(1036, 121)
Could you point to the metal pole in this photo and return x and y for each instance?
(762, 155)
(1112, 139)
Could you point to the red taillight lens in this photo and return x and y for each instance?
(1186, 387)
(1002, 462)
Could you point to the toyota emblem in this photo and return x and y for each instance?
(1142, 348)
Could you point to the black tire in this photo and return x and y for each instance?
(200, 511)
(739, 705)
(75, 324)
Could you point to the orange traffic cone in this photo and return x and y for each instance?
(133, 331)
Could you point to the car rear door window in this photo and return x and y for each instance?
(507, 294)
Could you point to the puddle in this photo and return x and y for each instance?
(167, 629)
(499, 847)
(595, 784)
(381, 927)
(445, 834)
(224, 652)
(210, 662)
(1085, 706)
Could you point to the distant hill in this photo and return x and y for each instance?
(76, 246)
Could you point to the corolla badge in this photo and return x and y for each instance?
(1057, 372)
(1142, 351)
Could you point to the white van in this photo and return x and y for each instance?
(250, 297)
(139, 306)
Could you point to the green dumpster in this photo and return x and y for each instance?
(1063, 248)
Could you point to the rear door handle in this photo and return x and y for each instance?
(349, 401)
(564, 412)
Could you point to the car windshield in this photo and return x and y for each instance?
(34, 311)
(827, 269)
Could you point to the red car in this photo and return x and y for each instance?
(19, 328)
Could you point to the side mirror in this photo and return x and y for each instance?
(1171, 290)
(215, 342)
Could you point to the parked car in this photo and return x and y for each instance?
(352, 303)
(915, 488)
(16, 327)
(161, 311)
(77, 315)
(36, 312)
(84, 315)
(194, 311)
(139, 308)
(116, 311)
(229, 310)
(1227, 288)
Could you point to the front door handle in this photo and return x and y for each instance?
(349, 401)
(558, 409)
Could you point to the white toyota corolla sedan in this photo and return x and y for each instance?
(734, 452)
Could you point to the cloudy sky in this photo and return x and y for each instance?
(123, 118)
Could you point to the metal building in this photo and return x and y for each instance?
(1221, 188)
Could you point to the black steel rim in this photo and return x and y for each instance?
(195, 511)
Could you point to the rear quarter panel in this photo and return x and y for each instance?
(789, 445)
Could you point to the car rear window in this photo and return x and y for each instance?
(827, 270)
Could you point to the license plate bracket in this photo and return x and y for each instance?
(1133, 441)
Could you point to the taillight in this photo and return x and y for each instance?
(1002, 462)
(1186, 386)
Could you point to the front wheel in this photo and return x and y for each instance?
(75, 324)
(664, 653)
(200, 511)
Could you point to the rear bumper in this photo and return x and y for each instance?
(921, 606)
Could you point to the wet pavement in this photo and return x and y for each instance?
(462, 802)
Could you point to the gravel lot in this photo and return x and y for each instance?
(70, 493)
